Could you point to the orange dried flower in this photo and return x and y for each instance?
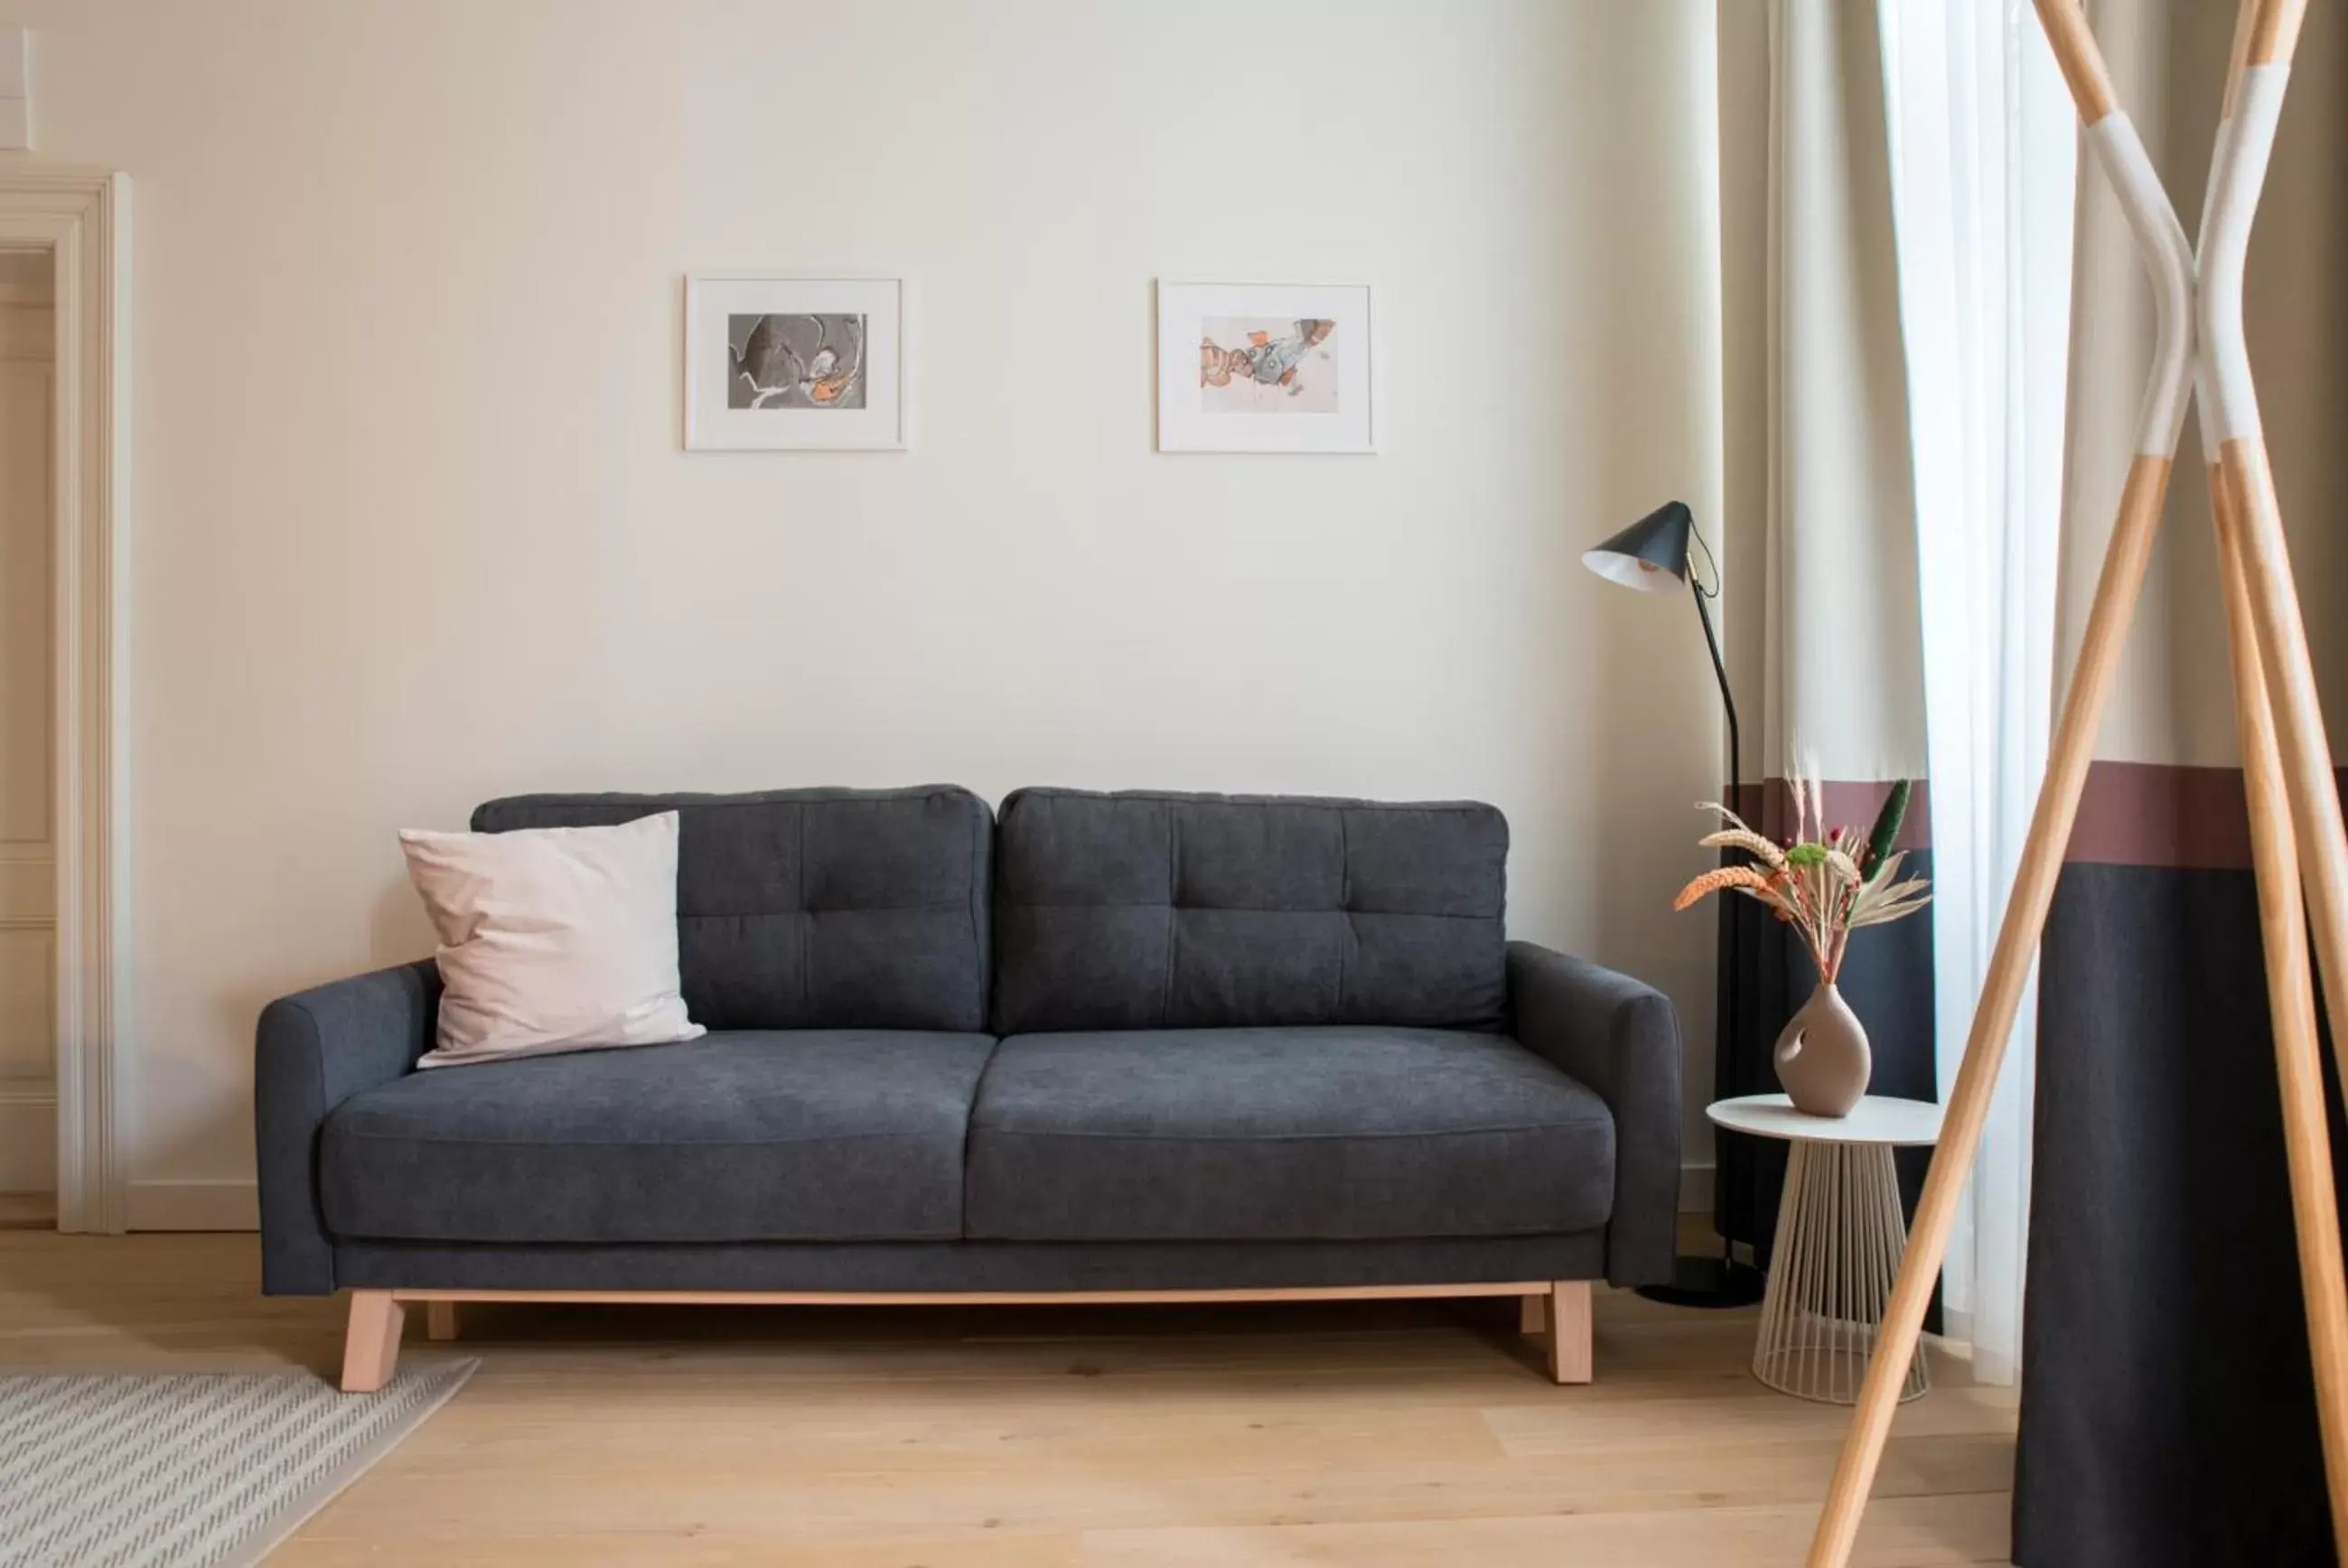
(1715, 881)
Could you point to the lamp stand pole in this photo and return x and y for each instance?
(1698, 1280)
(1720, 673)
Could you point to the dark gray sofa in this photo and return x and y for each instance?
(1138, 1043)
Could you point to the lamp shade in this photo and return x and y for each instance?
(1651, 554)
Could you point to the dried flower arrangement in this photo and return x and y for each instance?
(1826, 882)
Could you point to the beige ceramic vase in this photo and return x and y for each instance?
(1822, 1056)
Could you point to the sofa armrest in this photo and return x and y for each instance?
(1620, 1037)
(313, 1050)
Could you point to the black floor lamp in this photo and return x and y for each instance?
(1651, 556)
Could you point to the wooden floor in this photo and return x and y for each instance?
(1369, 1434)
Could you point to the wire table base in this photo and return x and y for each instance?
(1839, 1237)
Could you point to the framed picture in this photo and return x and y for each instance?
(1265, 367)
(798, 364)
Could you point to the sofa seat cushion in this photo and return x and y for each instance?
(749, 1136)
(1282, 1135)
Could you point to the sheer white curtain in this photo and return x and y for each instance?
(1984, 155)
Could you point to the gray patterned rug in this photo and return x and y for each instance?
(193, 1470)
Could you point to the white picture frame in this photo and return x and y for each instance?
(1266, 368)
(825, 370)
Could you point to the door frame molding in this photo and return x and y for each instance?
(82, 218)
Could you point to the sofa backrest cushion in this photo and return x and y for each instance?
(1193, 911)
(815, 908)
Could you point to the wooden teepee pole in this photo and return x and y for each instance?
(2257, 574)
(2274, 846)
(2117, 591)
(2254, 103)
(2290, 998)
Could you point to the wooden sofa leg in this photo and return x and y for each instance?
(371, 1342)
(440, 1320)
(1532, 1315)
(1569, 1331)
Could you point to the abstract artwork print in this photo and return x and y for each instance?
(788, 363)
(1255, 364)
(814, 360)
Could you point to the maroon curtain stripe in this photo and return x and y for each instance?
(2163, 815)
(2130, 813)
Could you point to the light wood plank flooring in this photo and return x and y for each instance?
(1372, 1435)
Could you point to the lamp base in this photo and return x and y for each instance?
(1708, 1282)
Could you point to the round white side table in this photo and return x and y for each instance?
(1839, 1237)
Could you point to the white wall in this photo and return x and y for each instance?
(414, 527)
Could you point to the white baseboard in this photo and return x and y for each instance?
(1695, 1189)
(28, 1138)
(193, 1206)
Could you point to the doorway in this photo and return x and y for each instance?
(28, 850)
(61, 901)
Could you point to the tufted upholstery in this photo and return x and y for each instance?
(815, 908)
(1192, 911)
